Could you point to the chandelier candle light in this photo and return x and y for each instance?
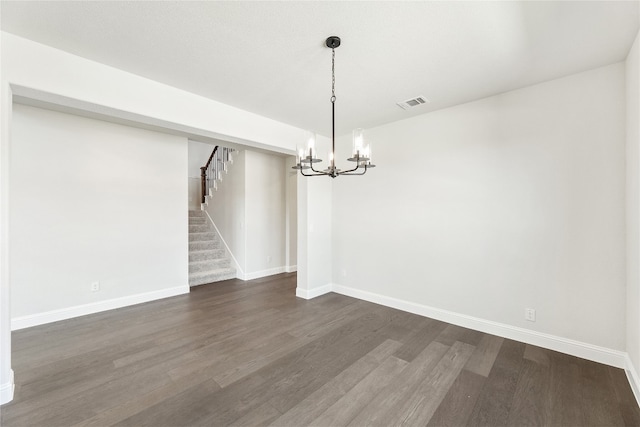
(307, 156)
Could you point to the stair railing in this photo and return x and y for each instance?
(211, 172)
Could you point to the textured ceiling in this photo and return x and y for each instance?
(269, 57)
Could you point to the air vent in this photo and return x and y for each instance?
(413, 102)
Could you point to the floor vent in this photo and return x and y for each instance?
(413, 102)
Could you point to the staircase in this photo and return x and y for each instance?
(208, 260)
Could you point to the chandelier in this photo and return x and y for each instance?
(306, 156)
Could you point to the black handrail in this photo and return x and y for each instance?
(211, 173)
(203, 175)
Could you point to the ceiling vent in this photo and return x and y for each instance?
(413, 102)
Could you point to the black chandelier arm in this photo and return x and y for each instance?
(318, 173)
(352, 170)
(334, 173)
(347, 173)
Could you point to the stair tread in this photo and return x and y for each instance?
(215, 243)
(212, 272)
(205, 252)
(202, 235)
(209, 254)
(204, 261)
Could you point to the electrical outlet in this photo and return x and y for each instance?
(268, 258)
(344, 272)
(95, 286)
(530, 314)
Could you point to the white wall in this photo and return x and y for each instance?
(199, 154)
(195, 194)
(291, 214)
(93, 201)
(314, 236)
(490, 207)
(249, 210)
(314, 260)
(265, 204)
(633, 207)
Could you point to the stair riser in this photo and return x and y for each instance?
(209, 265)
(198, 220)
(204, 245)
(200, 237)
(210, 279)
(196, 214)
(219, 253)
(199, 228)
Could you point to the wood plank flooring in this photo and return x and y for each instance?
(252, 354)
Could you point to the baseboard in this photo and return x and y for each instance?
(240, 274)
(264, 273)
(290, 268)
(312, 293)
(7, 389)
(95, 307)
(592, 352)
(634, 379)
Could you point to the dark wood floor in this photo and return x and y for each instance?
(251, 353)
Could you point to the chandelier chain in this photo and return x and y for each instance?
(333, 75)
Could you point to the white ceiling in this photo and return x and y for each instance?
(269, 57)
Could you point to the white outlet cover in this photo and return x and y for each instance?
(530, 314)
